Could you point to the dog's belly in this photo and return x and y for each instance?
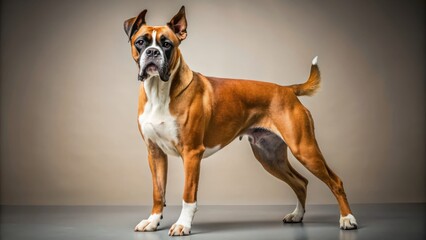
(159, 126)
(210, 151)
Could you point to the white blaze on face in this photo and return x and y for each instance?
(154, 39)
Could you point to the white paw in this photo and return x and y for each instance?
(150, 224)
(184, 223)
(296, 216)
(293, 218)
(179, 230)
(348, 222)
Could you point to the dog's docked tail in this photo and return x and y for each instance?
(310, 87)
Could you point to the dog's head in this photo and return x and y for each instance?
(155, 48)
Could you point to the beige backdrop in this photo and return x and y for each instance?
(69, 90)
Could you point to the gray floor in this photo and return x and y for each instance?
(384, 221)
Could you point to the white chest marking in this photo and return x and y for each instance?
(156, 122)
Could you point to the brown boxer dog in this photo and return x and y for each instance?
(183, 113)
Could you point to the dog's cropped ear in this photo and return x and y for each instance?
(178, 24)
(133, 24)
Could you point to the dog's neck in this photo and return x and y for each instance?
(182, 79)
(159, 92)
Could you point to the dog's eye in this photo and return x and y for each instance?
(139, 43)
(166, 45)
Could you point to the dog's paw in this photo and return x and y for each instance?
(145, 226)
(179, 230)
(293, 218)
(150, 224)
(183, 225)
(348, 222)
(296, 216)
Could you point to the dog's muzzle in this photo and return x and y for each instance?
(153, 64)
(153, 69)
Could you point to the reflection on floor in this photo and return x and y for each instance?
(376, 221)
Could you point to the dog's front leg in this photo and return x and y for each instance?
(158, 165)
(191, 163)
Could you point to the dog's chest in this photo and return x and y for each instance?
(156, 122)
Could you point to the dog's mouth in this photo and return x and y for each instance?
(151, 70)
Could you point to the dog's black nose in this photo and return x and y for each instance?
(152, 52)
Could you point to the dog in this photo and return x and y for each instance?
(183, 113)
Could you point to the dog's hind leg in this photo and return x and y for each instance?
(297, 128)
(271, 151)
